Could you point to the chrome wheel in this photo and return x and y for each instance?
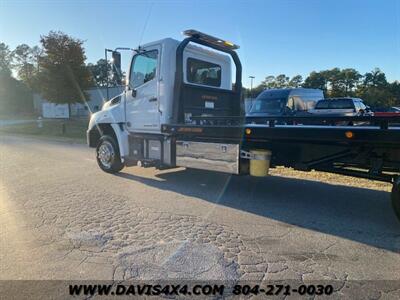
(106, 154)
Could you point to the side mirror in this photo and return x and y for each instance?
(133, 93)
(116, 66)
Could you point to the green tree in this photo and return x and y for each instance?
(394, 88)
(272, 82)
(6, 60)
(269, 82)
(375, 78)
(351, 79)
(372, 87)
(281, 81)
(375, 96)
(26, 63)
(375, 90)
(316, 80)
(63, 76)
(295, 82)
(15, 96)
(335, 82)
(99, 72)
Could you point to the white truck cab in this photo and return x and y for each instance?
(169, 82)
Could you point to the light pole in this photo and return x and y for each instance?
(251, 85)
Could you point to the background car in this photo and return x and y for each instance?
(341, 107)
(283, 102)
(387, 112)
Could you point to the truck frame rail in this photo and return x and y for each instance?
(371, 150)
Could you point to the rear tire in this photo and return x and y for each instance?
(396, 197)
(107, 155)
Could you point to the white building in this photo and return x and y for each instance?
(96, 98)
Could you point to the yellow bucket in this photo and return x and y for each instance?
(259, 162)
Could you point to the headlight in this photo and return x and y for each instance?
(105, 105)
(115, 100)
(112, 102)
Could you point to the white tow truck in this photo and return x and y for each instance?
(170, 82)
(180, 108)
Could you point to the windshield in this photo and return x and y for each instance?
(272, 105)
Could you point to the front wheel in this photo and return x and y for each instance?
(396, 197)
(107, 155)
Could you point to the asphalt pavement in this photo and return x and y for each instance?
(61, 217)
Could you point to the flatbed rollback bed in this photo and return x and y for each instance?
(371, 150)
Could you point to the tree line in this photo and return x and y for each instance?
(57, 70)
(372, 86)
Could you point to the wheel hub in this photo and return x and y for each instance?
(106, 154)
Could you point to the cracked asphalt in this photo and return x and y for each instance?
(61, 217)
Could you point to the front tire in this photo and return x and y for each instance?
(107, 155)
(396, 197)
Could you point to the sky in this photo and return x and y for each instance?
(275, 37)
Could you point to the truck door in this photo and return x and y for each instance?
(142, 106)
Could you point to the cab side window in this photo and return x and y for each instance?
(143, 68)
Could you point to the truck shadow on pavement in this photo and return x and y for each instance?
(357, 214)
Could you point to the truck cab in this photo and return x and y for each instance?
(150, 91)
(169, 82)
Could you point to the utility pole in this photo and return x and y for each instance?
(251, 85)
